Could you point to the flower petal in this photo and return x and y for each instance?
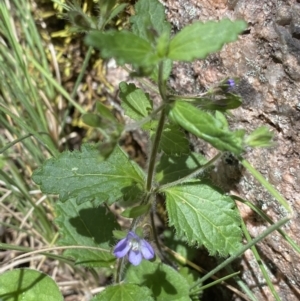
(132, 235)
(122, 248)
(135, 257)
(146, 249)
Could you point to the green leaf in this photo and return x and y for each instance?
(190, 275)
(81, 175)
(221, 117)
(173, 140)
(261, 137)
(135, 102)
(198, 40)
(132, 195)
(92, 120)
(206, 127)
(179, 245)
(114, 12)
(172, 168)
(125, 46)
(28, 285)
(106, 6)
(86, 225)
(124, 292)
(165, 282)
(228, 101)
(105, 112)
(136, 211)
(109, 127)
(204, 216)
(118, 234)
(149, 20)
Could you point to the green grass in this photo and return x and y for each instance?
(31, 131)
(25, 102)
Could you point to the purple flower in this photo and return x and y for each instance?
(135, 247)
(231, 83)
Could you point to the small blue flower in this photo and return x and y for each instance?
(136, 248)
(231, 83)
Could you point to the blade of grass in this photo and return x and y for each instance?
(242, 250)
(258, 176)
(260, 263)
(242, 284)
(265, 217)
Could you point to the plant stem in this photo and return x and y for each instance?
(159, 248)
(161, 82)
(120, 269)
(154, 150)
(160, 127)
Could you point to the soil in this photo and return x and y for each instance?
(266, 58)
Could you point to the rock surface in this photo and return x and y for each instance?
(266, 58)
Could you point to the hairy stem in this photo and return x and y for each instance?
(120, 270)
(156, 239)
(160, 127)
(161, 82)
(154, 150)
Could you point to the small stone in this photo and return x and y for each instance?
(291, 67)
(232, 3)
(295, 24)
(283, 15)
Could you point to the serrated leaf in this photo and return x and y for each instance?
(125, 46)
(204, 216)
(173, 140)
(165, 282)
(172, 168)
(149, 20)
(124, 292)
(28, 285)
(86, 225)
(81, 175)
(198, 40)
(135, 102)
(206, 127)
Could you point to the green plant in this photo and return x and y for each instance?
(99, 175)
